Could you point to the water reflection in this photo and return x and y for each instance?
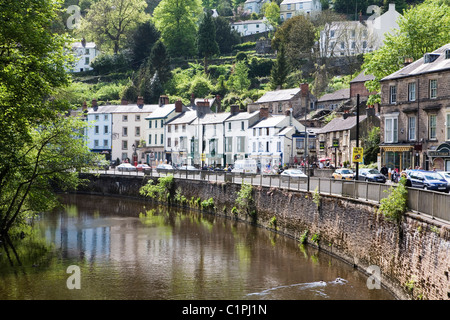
(128, 249)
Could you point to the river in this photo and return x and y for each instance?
(116, 248)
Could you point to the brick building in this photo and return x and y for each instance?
(415, 114)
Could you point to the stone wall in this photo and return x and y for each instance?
(416, 252)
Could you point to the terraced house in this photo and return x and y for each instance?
(415, 114)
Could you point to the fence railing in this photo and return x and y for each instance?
(435, 204)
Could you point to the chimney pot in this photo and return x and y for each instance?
(124, 102)
(140, 101)
(304, 89)
(178, 106)
(263, 113)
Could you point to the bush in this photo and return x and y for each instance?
(394, 205)
(107, 63)
(245, 46)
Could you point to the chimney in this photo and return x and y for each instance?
(360, 17)
(124, 102)
(84, 107)
(391, 6)
(219, 103)
(94, 104)
(140, 102)
(407, 61)
(163, 100)
(192, 99)
(304, 89)
(263, 113)
(234, 109)
(370, 111)
(178, 106)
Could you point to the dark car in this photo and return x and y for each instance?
(427, 180)
(371, 175)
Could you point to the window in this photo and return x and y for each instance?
(156, 124)
(278, 146)
(447, 54)
(391, 130)
(169, 142)
(183, 128)
(86, 60)
(97, 117)
(105, 143)
(229, 126)
(432, 126)
(162, 139)
(124, 118)
(412, 128)
(254, 147)
(242, 125)
(169, 128)
(95, 143)
(176, 142)
(105, 117)
(162, 123)
(267, 131)
(96, 130)
(86, 51)
(331, 33)
(137, 131)
(447, 126)
(229, 144)
(150, 124)
(353, 33)
(393, 94)
(137, 117)
(412, 91)
(124, 155)
(288, 15)
(124, 145)
(342, 45)
(105, 129)
(280, 108)
(289, 6)
(240, 144)
(254, 132)
(124, 131)
(433, 89)
(176, 128)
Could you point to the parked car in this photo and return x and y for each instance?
(164, 168)
(293, 174)
(343, 174)
(427, 180)
(143, 166)
(126, 167)
(188, 168)
(446, 176)
(371, 175)
(103, 164)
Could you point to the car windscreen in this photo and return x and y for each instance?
(346, 172)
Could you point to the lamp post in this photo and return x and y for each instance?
(134, 155)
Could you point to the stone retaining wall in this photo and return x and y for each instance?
(416, 252)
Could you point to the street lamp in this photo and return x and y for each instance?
(134, 155)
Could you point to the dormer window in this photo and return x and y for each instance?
(447, 54)
(430, 57)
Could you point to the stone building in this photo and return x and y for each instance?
(415, 114)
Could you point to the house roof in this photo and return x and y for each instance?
(242, 116)
(161, 112)
(421, 67)
(128, 108)
(341, 94)
(341, 124)
(362, 77)
(293, 1)
(79, 45)
(248, 22)
(212, 118)
(284, 131)
(272, 121)
(279, 95)
(184, 118)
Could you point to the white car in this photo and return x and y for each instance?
(294, 174)
(126, 167)
(188, 168)
(164, 168)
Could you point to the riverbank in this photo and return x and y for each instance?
(412, 256)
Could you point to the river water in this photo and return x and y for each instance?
(116, 248)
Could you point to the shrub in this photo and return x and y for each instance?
(394, 205)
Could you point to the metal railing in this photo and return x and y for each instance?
(435, 204)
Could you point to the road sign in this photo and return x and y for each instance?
(358, 153)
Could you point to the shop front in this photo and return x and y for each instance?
(440, 158)
(399, 157)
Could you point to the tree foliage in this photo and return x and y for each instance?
(422, 29)
(280, 70)
(206, 39)
(142, 41)
(110, 22)
(177, 22)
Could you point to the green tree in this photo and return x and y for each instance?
(225, 36)
(422, 29)
(206, 39)
(141, 43)
(110, 22)
(371, 145)
(271, 10)
(280, 70)
(37, 144)
(239, 80)
(160, 62)
(177, 22)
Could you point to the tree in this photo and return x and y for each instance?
(239, 80)
(141, 43)
(177, 22)
(271, 11)
(298, 37)
(422, 29)
(280, 70)
(33, 134)
(160, 62)
(226, 37)
(206, 39)
(109, 22)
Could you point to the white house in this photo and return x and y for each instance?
(236, 134)
(291, 8)
(249, 27)
(384, 24)
(98, 133)
(271, 140)
(85, 53)
(255, 6)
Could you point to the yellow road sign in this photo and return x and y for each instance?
(357, 155)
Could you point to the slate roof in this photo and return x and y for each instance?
(279, 95)
(184, 118)
(128, 108)
(340, 124)
(161, 112)
(337, 95)
(419, 66)
(363, 77)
